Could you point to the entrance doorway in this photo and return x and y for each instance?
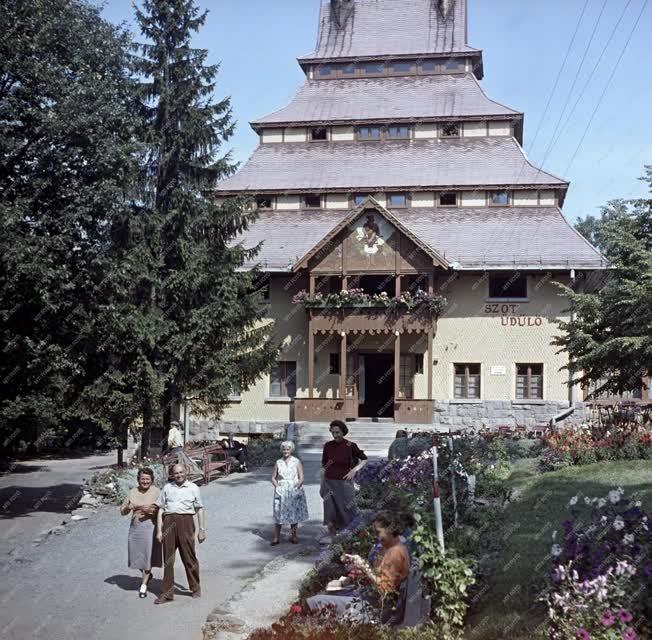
(379, 386)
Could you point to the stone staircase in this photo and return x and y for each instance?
(372, 437)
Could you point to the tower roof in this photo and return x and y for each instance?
(372, 28)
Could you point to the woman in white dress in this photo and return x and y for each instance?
(290, 506)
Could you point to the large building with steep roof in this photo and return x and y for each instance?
(411, 247)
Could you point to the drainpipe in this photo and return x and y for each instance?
(571, 387)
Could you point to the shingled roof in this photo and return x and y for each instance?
(450, 162)
(415, 97)
(390, 27)
(519, 238)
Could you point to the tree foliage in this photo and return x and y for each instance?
(609, 338)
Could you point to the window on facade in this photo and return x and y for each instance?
(397, 200)
(347, 70)
(359, 198)
(450, 130)
(368, 133)
(467, 381)
(510, 284)
(372, 68)
(448, 199)
(428, 66)
(264, 290)
(406, 376)
(398, 133)
(529, 381)
(325, 71)
(334, 363)
(401, 67)
(236, 390)
(454, 64)
(418, 363)
(264, 202)
(312, 201)
(319, 134)
(283, 380)
(499, 197)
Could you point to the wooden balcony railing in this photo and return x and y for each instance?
(368, 320)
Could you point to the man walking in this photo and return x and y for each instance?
(175, 438)
(175, 529)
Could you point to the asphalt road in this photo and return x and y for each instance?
(76, 586)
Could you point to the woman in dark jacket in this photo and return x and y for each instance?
(340, 461)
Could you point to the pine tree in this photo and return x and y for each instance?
(67, 129)
(610, 338)
(211, 335)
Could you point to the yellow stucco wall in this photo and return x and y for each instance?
(473, 329)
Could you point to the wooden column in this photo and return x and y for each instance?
(311, 360)
(398, 286)
(312, 285)
(342, 390)
(397, 364)
(429, 361)
(345, 283)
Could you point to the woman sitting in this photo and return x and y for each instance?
(389, 570)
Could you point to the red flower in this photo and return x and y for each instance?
(362, 534)
(296, 608)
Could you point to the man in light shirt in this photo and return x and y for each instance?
(175, 529)
(175, 438)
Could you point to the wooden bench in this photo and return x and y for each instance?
(215, 461)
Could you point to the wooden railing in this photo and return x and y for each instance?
(413, 411)
(319, 409)
(368, 320)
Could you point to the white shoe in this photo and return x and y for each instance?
(327, 539)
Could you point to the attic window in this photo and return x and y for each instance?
(454, 64)
(264, 202)
(448, 199)
(499, 198)
(359, 198)
(319, 134)
(397, 200)
(372, 68)
(347, 70)
(398, 133)
(401, 67)
(450, 130)
(312, 201)
(368, 133)
(324, 70)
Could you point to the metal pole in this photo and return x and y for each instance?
(186, 420)
(436, 499)
(452, 471)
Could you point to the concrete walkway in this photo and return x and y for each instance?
(77, 586)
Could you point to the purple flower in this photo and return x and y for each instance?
(624, 616)
(629, 634)
(607, 618)
(648, 570)
(583, 634)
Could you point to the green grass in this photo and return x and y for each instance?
(506, 606)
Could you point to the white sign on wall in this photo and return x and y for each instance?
(498, 370)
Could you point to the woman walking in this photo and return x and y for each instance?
(290, 506)
(340, 461)
(144, 551)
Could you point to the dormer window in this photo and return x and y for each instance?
(324, 71)
(398, 133)
(359, 198)
(347, 70)
(401, 67)
(397, 200)
(450, 130)
(368, 133)
(372, 68)
(312, 201)
(454, 64)
(448, 199)
(429, 66)
(499, 198)
(319, 134)
(263, 202)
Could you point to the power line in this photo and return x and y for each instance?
(604, 91)
(557, 135)
(570, 91)
(563, 64)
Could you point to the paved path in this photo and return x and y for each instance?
(38, 494)
(77, 586)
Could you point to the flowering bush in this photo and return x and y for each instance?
(602, 569)
(419, 301)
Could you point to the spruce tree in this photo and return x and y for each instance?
(67, 126)
(610, 338)
(211, 333)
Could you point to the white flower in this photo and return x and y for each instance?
(614, 496)
(576, 576)
(601, 503)
(637, 503)
(619, 523)
(555, 550)
(573, 500)
(621, 491)
(554, 534)
(587, 500)
(628, 538)
(603, 520)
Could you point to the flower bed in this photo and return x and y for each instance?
(357, 298)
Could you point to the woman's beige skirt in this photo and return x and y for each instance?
(144, 550)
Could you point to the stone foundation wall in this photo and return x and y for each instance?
(206, 429)
(498, 413)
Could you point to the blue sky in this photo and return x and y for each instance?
(524, 45)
